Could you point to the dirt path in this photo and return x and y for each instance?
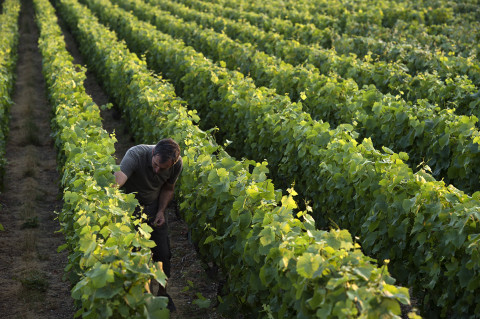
(31, 270)
(188, 275)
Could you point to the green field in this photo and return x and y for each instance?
(331, 150)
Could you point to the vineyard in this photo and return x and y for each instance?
(331, 150)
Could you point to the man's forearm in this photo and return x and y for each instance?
(165, 197)
(120, 178)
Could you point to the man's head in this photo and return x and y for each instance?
(165, 154)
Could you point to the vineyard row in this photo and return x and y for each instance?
(8, 59)
(110, 276)
(441, 87)
(368, 39)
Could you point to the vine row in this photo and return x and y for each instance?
(444, 89)
(8, 60)
(109, 261)
(378, 42)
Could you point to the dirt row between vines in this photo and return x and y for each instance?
(31, 270)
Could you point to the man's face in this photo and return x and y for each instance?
(158, 166)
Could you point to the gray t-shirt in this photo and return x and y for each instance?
(142, 180)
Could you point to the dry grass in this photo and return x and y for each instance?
(29, 246)
(30, 165)
(35, 280)
(27, 209)
(30, 187)
(32, 133)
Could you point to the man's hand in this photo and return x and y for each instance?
(159, 219)
(166, 195)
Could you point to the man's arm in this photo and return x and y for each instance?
(120, 178)
(166, 195)
(128, 165)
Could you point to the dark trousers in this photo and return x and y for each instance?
(161, 252)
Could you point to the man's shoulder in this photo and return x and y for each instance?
(138, 153)
(141, 149)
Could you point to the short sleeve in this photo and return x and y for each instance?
(177, 169)
(130, 162)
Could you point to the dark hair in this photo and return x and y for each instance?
(168, 149)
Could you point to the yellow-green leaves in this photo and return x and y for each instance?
(8, 58)
(308, 265)
(100, 275)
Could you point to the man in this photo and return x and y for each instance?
(151, 171)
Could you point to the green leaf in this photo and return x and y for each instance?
(464, 276)
(156, 307)
(70, 197)
(62, 247)
(307, 264)
(317, 299)
(245, 219)
(407, 204)
(209, 239)
(108, 292)
(160, 276)
(288, 202)
(267, 236)
(363, 272)
(325, 311)
(202, 302)
(399, 293)
(78, 289)
(443, 141)
(101, 275)
(87, 245)
(389, 305)
(127, 240)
